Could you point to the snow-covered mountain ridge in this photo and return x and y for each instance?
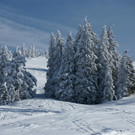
(42, 116)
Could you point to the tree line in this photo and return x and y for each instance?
(86, 69)
(31, 52)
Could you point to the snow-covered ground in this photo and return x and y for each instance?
(38, 68)
(41, 116)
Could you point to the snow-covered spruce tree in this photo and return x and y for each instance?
(78, 38)
(78, 35)
(58, 55)
(5, 70)
(54, 63)
(18, 63)
(18, 58)
(131, 88)
(49, 86)
(59, 51)
(37, 53)
(93, 35)
(12, 93)
(18, 49)
(29, 81)
(67, 73)
(23, 80)
(32, 51)
(126, 77)
(5, 59)
(46, 54)
(86, 68)
(123, 77)
(4, 95)
(24, 50)
(109, 93)
(105, 81)
(115, 57)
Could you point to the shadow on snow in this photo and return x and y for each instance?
(27, 110)
(37, 69)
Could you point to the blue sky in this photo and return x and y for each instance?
(35, 19)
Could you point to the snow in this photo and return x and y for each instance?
(42, 116)
(38, 68)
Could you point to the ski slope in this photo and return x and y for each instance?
(42, 116)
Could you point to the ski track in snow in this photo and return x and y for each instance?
(42, 116)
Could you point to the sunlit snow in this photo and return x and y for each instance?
(42, 116)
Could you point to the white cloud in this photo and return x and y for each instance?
(13, 34)
(17, 29)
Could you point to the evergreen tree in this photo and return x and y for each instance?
(109, 93)
(66, 72)
(5, 70)
(4, 95)
(19, 59)
(77, 41)
(126, 77)
(32, 51)
(131, 87)
(105, 81)
(123, 77)
(59, 51)
(23, 81)
(17, 65)
(93, 35)
(78, 35)
(49, 86)
(29, 82)
(12, 93)
(86, 78)
(5, 60)
(17, 49)
(24, 50)
(115, 58)
(46, 54)
(58, 55)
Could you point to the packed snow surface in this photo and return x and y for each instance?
(42, 116)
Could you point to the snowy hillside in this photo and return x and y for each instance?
(41, 116)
